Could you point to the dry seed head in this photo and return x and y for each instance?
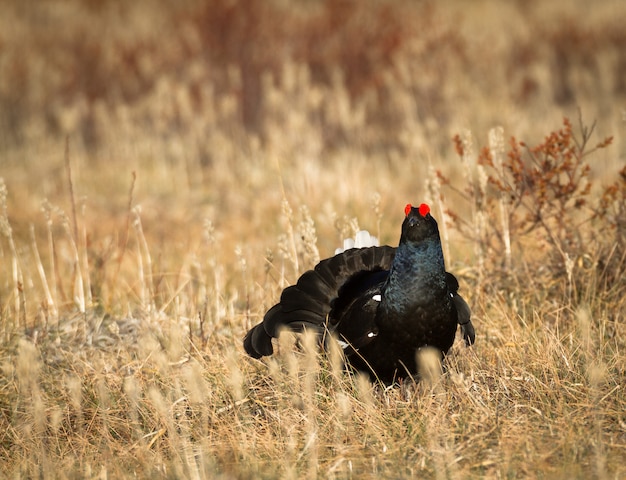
(335, 356)
(104, 397)
(5, 227)
(74, 389)
(235, 378)
(375, 200)
(286, 210)
(364, 389)
(597, 373)
(286, 341)
(46, 208)
(483, 180)
(243, 265)
(429, 361)
(159, 403)
(55, 419)
(3, 192)
(433, 185)
(131, 389)
(273, 368)
(345, 405)
(497, 146)
(175, 345)
(353, 225)
(194, 382)
(136, 216)
(28, 365)
(269, 260)
(309, 235)
(208, 232)
(309, 342)
(468, 147)
(49, 210)
(584, 324)
(284, 247)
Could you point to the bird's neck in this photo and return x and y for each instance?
(416, 277)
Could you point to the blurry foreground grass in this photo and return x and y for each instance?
(155, 201)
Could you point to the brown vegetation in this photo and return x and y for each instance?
(166, 170)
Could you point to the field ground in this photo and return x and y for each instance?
(166, 170)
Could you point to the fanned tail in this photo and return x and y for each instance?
(307, 304)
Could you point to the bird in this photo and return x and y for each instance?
(382, 304)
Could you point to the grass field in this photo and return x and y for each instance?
(166, 170)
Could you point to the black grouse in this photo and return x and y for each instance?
(382, 304)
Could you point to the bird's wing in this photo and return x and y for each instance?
(464, 314)
(355, 324)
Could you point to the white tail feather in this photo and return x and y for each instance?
(362, 239)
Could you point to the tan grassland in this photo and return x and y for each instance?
(166, 168)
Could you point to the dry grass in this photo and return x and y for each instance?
(167, 171)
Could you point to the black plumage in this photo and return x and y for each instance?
(381, 303)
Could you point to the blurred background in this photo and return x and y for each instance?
(92, 69)
(209, 102)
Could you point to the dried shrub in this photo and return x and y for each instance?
(537, 195)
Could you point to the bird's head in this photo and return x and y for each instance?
(418, 224)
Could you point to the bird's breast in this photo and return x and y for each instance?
(431, 323)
